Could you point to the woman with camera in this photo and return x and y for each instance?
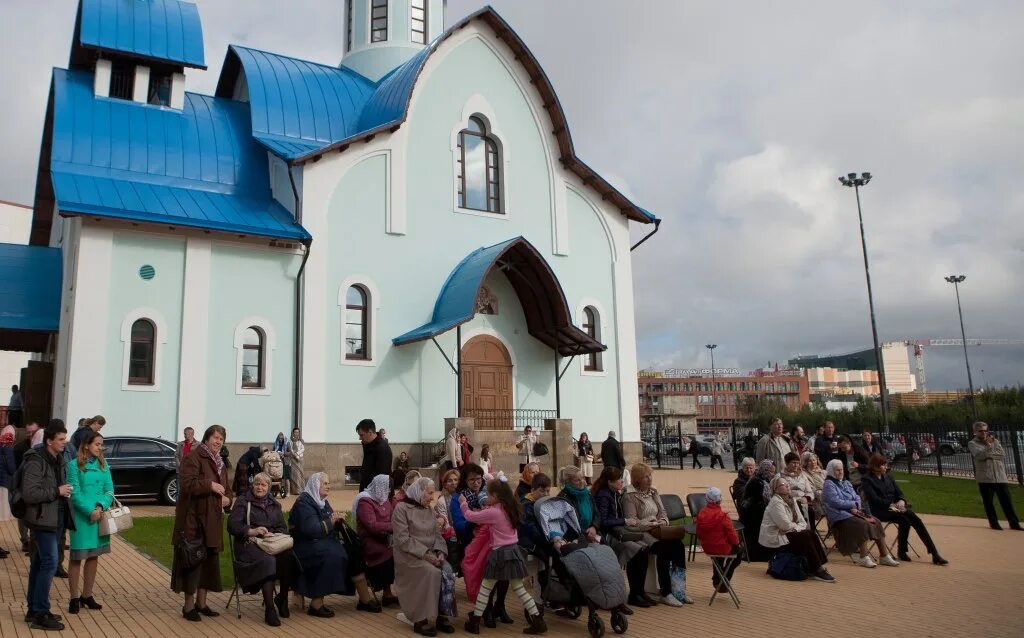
(257, 515)
(203, 494)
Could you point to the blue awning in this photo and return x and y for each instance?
(30, 285)
(548, 317)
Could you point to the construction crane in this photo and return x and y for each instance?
(920, 344)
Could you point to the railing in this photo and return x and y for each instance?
(509, 419)
(431, 453)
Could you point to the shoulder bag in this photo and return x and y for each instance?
(115, 519)
(272, 544)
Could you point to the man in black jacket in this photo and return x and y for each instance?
(611, 453)
(376, 453)
(46, 491)
(20, 448)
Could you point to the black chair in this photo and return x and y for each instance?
(673, 507)
(696, 503)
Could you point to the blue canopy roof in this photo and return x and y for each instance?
(30, 285)
(197, 167)
(547, 313)
(165, 30)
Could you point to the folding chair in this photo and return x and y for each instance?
(895, 541)
(235, 593)
(721, 571)
(696, 503)
(826, 535)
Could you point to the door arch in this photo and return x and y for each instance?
(487, 381)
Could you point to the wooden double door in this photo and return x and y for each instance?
(487, 381)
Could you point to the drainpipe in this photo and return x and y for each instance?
(657, 224)
(297, 354)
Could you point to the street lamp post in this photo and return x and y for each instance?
(853, 181)
(714, 404)
(956, 280)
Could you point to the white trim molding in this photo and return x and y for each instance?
(478, 105)
(269, 345)
(373, 308)
(158, 320)
(601, 335)
(195, 327)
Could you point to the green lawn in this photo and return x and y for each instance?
(152, 536)
(950, 496)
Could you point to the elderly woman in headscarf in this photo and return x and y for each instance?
(420, 559)
(326, 566)
(717, 535)
(373, 522)
(256, 514)
(785, 529)
(756, 494)
(852, 523)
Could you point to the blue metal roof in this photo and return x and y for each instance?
(166, 30)
(30, 286)
(197, 167)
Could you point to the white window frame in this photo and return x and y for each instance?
(477, 105)
(601, 333)
(157, 319)
(372, 309)
(269, 345)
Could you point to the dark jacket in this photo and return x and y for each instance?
(530, 534)
(569, 498)
(584, 448)
(611, 454)
(823, 448)
(376, 460)
(248, 466)
(20, 448)
(323, 558)
(75, 440)
(254, 566)
(42, 475)
(7, 465)
(609, 510)
(880, 492)
(522, 490)
(198, 513)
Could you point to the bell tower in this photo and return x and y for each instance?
(382, 34)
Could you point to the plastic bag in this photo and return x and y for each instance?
(678, 583)
(446, 604)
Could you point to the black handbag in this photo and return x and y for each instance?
(539, 449)
(191, 553)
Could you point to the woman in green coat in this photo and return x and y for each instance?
(92, 491)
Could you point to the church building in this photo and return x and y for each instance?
(407, 235)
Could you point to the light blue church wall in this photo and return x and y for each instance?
(259, 284)
(410, 389)
(149, 412)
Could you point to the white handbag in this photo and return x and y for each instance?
(115, 519)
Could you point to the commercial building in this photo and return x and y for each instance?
(856, 372)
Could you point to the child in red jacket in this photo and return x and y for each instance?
(717, 535)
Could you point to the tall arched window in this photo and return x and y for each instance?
(357, 322)
(592, 326)
(142, 357)
(479, 180)
(253, 356)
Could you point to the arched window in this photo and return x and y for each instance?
(418, 20)
(479, 180)
(592, 326)
(142, 357)
(253, 356)
(357, 323)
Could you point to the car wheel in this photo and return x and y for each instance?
(651, 456)
(169, 491)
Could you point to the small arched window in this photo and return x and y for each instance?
(357, 323)
(253, 357)
(142, 357)
(479, 180)
(592, 326)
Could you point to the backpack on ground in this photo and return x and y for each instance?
(787, 566)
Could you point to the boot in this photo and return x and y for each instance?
(472, 624)
(938, 560)
(537, 625)
(270, 616)
(489, 621)
(281, 602)
(74, 605)
(500, 614)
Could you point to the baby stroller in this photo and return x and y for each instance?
(588, 574)
(273, 466)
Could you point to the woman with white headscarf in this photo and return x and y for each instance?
(852, 523)
(326, 567)
(373, 509)
(420, 559)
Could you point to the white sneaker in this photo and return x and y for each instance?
(889, 561)
(865, 561)
(671, 601)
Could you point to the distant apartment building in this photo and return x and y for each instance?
(856, 372)
(720, 401)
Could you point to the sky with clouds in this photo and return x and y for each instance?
(731, 121)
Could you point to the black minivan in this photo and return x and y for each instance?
(142, 467)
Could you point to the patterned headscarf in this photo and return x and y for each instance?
(376, 491)
(766, 472)
(218, 460)
(313, 488)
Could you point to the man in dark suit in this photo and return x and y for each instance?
(376, 453)
(611, 453)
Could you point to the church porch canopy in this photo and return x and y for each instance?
(547, 313)
(30, 287)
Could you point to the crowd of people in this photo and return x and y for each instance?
(409, 537)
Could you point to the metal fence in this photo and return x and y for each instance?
(509, 419)
(936, 451)
(665, 446)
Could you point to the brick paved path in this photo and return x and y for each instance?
(979, 594)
